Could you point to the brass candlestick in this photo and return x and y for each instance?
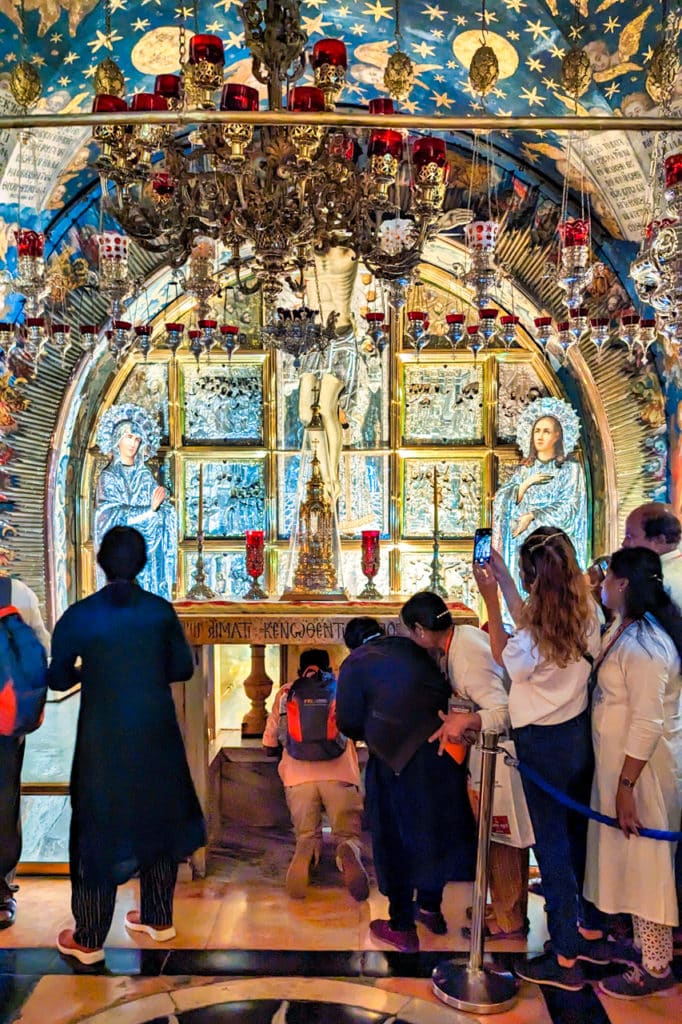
(200, 591)
(436, 582)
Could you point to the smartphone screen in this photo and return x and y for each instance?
(483, 540)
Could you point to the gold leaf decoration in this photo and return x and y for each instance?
(484, 70)
(108, 79)
(399, 75)
(576, 72)
(663, 69)
(25, 84)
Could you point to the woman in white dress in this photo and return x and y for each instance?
(638, 750)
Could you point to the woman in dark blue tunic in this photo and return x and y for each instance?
(133, 801)
(423, 832)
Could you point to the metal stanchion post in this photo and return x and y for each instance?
(473, 986)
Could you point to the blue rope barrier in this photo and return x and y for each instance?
(567, 801)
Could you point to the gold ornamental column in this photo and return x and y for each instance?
(258, 687)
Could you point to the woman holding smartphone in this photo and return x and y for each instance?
(548, 659)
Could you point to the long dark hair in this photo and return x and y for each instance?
(428, 610)
(557, 611)
(642, 568)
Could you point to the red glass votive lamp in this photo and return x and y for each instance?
(385, 141)
(381, 105)
(163, 184)
(341, 146)
(673, 169)
(374, 318)
(543, 321)
(29, 243)
(574, 232)
(175, 328)
(143, 330)
(208, 325)
(509, 319)
(208, 48)
(255, 563)
(329, 51)
(238, 97)
(429, 150)
(148, 101)
(306, 99)
(121, 325)
(454, 318)
(105, 104)
(168, 86)
(487, 314)
(370, 561)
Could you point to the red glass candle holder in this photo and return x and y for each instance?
(29, 243)
(384, 141)
(340, 146)
(374, 318)
(255, 563)
(163, 184)
(106, 104)
(370, 548)
(673, 169)
(381, 105)
(306, 99)
(429, 150)
(208, 48)
(574, 232)
(329, 51)
(168, 86)
(238, 97)
(149, 101)
(543, 321)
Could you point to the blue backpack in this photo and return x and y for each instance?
(23, 670)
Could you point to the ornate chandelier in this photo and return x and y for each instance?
(269, 197)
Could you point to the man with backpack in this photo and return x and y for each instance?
(319, 770)
(16, 708)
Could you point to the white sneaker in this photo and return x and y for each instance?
(133, 924)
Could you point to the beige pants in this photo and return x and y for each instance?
(509, 886)
(342, 802)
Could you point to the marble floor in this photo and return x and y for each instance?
(246, 953)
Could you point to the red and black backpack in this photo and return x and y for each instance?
(310, 710)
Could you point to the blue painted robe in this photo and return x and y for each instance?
(561, 502)
(124, 499)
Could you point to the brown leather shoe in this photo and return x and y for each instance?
(353, 873)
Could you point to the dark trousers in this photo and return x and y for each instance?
(93, 906)
(11, 761)
(561, 754)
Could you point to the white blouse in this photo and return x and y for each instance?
(541, 692)
(474, 673)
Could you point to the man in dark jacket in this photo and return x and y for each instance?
(389, 694)
(133, 802)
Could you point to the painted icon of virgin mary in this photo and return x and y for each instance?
(128, 494)
(548, 488)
